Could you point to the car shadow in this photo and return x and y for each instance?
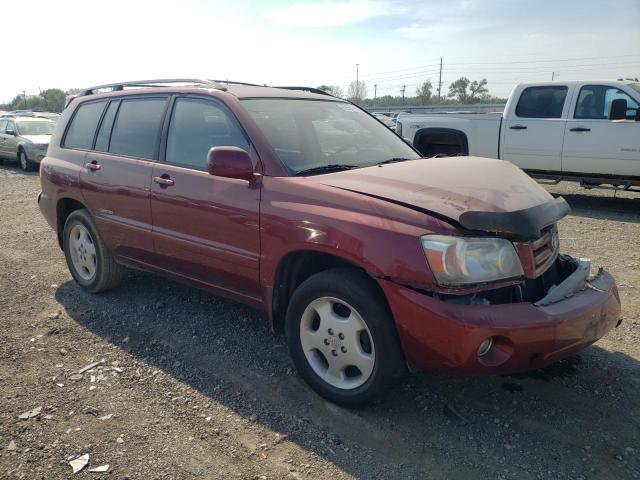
(621, 209)
(14, 166)
(429, 425)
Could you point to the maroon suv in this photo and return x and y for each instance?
(308, 208)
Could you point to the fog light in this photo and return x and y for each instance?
(485, 346)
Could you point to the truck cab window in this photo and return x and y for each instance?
(594, 102)
(541, 102)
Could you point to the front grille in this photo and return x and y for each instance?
(537, 255)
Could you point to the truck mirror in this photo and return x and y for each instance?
(618, 109)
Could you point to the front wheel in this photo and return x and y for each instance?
(92, 266)
(342, 337)
(26, 164)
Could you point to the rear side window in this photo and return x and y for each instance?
(196, 126)
(3, 125)
(541, 102)
(83, 125)
(102, 140)
(137, 127)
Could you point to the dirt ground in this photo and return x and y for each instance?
(195, 386)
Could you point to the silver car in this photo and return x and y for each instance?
(25, 139)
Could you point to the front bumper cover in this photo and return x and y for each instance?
(441, 336)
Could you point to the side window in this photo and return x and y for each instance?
(137, 127)
(11, 125)
(3, 125)
(594, 102)
(541, 102)
(102, 140)
(83, 125)
(196, 126)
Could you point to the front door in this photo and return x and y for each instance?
(593, 143)
(205, 228)
(10, 142)
(533, 133)
(3, 124)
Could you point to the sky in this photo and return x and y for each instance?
(79, 43)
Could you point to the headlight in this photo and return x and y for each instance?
(458, 261)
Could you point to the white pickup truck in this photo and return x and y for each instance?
(584, 131)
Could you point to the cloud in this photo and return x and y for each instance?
(327, 14)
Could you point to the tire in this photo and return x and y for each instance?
(350, 353)
(92, 266)
(26, 164)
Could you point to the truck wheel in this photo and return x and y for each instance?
(92, 266)
(342, 337)
(26, 164)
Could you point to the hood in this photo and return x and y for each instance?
(473, 192)
(40, 139)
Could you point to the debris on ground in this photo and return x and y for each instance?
(30, 414)
(100, 469)
(91, 365)
(79, 463)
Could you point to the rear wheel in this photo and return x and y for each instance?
(342, 337)
(26, 164)
(92, 266)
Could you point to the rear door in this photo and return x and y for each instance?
(593, 143)
(533, 131)
(117, 174)
(205, 228)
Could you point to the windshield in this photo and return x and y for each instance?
(36, 128)
(311, 134)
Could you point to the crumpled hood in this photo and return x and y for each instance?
(477, 193)
(39, 139)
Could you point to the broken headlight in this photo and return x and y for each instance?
(459, 261)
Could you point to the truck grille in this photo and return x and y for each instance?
(538, 255)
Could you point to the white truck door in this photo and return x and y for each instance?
(597, 145)
(533, 128)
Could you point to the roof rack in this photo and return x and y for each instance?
(307, 89)
(153, 83)
(231, 82)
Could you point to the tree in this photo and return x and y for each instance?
(424, 92)
(54, 99)
(357, 91)
(334, 90)
(476, 88)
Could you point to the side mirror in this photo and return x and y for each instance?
(230, 162)
(618, 110)
(10, 132)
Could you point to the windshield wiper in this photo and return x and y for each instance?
(393, 160)
(334, 167)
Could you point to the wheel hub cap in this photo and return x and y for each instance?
(337, 343)
(83, 252)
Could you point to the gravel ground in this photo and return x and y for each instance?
(195, 386)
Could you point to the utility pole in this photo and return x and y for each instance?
(440, 79)
(404, 87)
(553, 76)
(24, 94)
(375, 91)
(357, 73)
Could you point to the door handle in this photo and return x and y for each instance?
(163, 181)
(518, 127)
(93, 166)
(580, 129)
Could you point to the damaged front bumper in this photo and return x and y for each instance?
(445, 336)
